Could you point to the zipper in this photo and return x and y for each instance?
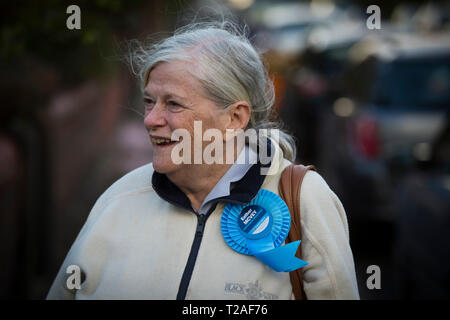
(187, 274)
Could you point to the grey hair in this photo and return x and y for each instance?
(226, 63)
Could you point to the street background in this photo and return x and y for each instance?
(369, 108)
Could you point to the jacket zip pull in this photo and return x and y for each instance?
(200, 224)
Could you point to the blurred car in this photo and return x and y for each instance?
(391, 107)
(421, 253)
(311, 85)
(285, 26)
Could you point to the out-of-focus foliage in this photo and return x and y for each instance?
(36, 31)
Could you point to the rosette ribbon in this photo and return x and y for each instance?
(259, 228)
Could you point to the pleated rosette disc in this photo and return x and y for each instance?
(266, 215)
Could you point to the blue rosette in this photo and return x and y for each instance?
(259, 228)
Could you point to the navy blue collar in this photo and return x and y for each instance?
(242, 191)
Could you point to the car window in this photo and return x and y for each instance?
(414, 84)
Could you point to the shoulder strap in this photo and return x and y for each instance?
(289, 189)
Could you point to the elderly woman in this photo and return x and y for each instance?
(158, 232)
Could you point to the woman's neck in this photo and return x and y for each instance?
(197, 181)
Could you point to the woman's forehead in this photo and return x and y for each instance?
(174, 78)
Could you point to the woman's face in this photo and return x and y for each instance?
(174, 99)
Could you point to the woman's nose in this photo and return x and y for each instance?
(155, 118)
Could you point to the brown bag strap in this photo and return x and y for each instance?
(289, 189)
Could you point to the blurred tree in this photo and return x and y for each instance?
(38, 54)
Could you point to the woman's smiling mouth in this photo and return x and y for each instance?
(160, 141)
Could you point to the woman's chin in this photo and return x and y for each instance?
(164, 166)
(161, 167)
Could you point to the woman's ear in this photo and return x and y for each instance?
(238, 117)
(239, 113)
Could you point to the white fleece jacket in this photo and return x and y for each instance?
(134, 245)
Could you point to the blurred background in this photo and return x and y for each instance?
(369, 107)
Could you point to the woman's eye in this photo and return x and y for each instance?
(148, 106)
(148, 101)
(174, 106)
